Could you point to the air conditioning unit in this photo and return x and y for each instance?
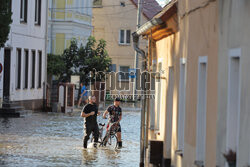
(156, 152)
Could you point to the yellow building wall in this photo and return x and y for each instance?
(107, 22)
(60, 4)
(60, 43)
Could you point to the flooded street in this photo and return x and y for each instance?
(55, 139)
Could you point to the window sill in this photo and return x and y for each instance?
(23, 22)
(124, 44)
(123, 80)
(38, 25)
(97, 6)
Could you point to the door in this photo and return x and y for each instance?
(6, 77)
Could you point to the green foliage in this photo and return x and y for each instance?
(5, 20)
(70, 59)
(80, 61)
(55, 65)
(97, 58)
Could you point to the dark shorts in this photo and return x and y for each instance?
(119, 128)
(84, 98)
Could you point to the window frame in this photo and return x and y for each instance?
(18, 68)
(23, 11)
(40, 61)
(33, 72)
(120, 78)
(38, 6)
(125, 37)
(182, 105)
(26, 69)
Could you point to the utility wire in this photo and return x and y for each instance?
(68, 8)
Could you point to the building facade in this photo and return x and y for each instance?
(200, 110)
(114, 21)
(68, 19)
(233, 122)
(24, 55)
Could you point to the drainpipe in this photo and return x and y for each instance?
(142, 135)
(45, 52)
(136, 35)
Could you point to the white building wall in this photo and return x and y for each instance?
(75, 24)
(26, 36)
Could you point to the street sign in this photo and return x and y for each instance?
(132, 73)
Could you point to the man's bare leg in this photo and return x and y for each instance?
(119, 137)
(79, 102)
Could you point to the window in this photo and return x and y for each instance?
(33, 68)
(23, 10)
(18, 68)
(201, 111)
(122, 4)
(181, 105)
(26, 72)
(97, 3)
(124, 37)
(112, 67)
(233, 100)
(40, 70)
(38, 12)
(124, 73)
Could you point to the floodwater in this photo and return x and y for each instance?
(55, 139)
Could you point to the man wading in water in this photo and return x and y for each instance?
(115, 116)
(90, 113)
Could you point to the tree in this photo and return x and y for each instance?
(95, 59)
(80, 61)
(5, 20)
(55, 65)
(70, 59)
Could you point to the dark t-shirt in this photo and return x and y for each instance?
(88, 108)
(114, 113)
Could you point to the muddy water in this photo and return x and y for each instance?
(55, 139)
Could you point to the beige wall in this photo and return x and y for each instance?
(214, 29)
(234, 33)
(108, 21)
(198, 36)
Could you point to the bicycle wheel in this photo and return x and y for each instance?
(112, 142)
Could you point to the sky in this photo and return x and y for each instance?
(161, 2)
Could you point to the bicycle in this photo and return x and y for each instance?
(110, 139)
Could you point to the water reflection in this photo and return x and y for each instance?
(55, 139)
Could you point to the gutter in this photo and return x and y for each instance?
(144, 28)
(45, 52)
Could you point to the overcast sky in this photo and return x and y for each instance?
(162, 2)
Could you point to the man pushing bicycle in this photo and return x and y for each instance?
(115, 116)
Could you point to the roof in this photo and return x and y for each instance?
(167, 11)
(158, 26)
(149, 8)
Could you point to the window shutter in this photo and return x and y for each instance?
(25, 10)
(121, 36)
(39, 11)
(128, 34)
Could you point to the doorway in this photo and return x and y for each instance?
(6, 76)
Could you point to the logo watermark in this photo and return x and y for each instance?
(130, 85)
